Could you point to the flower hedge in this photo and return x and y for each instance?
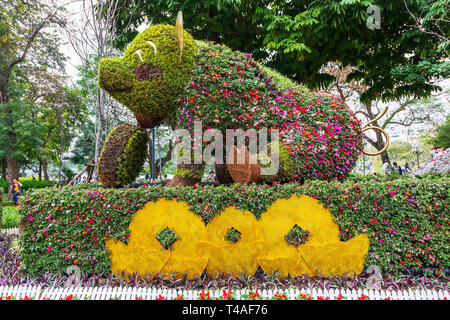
(406, 220)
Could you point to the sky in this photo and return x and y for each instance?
(75, 8)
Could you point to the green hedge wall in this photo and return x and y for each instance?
(406, 220)
(27, 184)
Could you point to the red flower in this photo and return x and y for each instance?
(204, 295)
(160, 297)
(227, 294)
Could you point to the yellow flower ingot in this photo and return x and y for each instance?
(262, 242)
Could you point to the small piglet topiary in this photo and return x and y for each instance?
(122, 156)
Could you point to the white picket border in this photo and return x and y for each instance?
(131, 293)
(10, 231)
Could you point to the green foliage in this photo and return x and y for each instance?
(35, 98)
(393, 61)
(232, 235)
(442, 137)
(297, 236)
(187, 173)
(286, 167)
(298, 37)
(123, 155)
(132, 159)
(282, 82)
(27, 184)
(145, 81)
(405, 219)
(9, 218)
(225, 21)
(167, 238)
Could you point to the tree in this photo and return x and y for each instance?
(433, 19)
(394, 61)
(224, 21)
(113, 114)
(299, 37)
(402, 112)
(163, 151)
(93, 38)
(21, 35)
(442, 137)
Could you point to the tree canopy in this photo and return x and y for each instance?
(298, 37)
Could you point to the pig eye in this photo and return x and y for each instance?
(139, 53)
(152, 44)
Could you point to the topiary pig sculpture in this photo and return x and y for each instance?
(167, 77)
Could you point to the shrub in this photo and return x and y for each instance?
(286, 165)
(167, 238)
(27, 184)
(122, 156)
(9, 218)
(406, 220)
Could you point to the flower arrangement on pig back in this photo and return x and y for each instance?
(230, 90)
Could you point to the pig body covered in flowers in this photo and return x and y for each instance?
(166, 77)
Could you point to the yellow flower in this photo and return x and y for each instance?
(235, 258)
(323, 253)
(144, 253)
(261, 242)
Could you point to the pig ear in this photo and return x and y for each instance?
(179, 32)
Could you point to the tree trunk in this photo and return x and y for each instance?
(385, 157)
(40, 170)
(90, 174)
(99, 133)
(11, 159)
(150, 152)
(4, 165)
(44, 169)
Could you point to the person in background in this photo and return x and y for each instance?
(84, 180)
(395, 167)
(147, 176)
(211, 177)
(386, 167)
(407, 168)
(16, 191)
(77, 181)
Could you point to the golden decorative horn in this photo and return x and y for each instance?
(179, 32)
(386, 136)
